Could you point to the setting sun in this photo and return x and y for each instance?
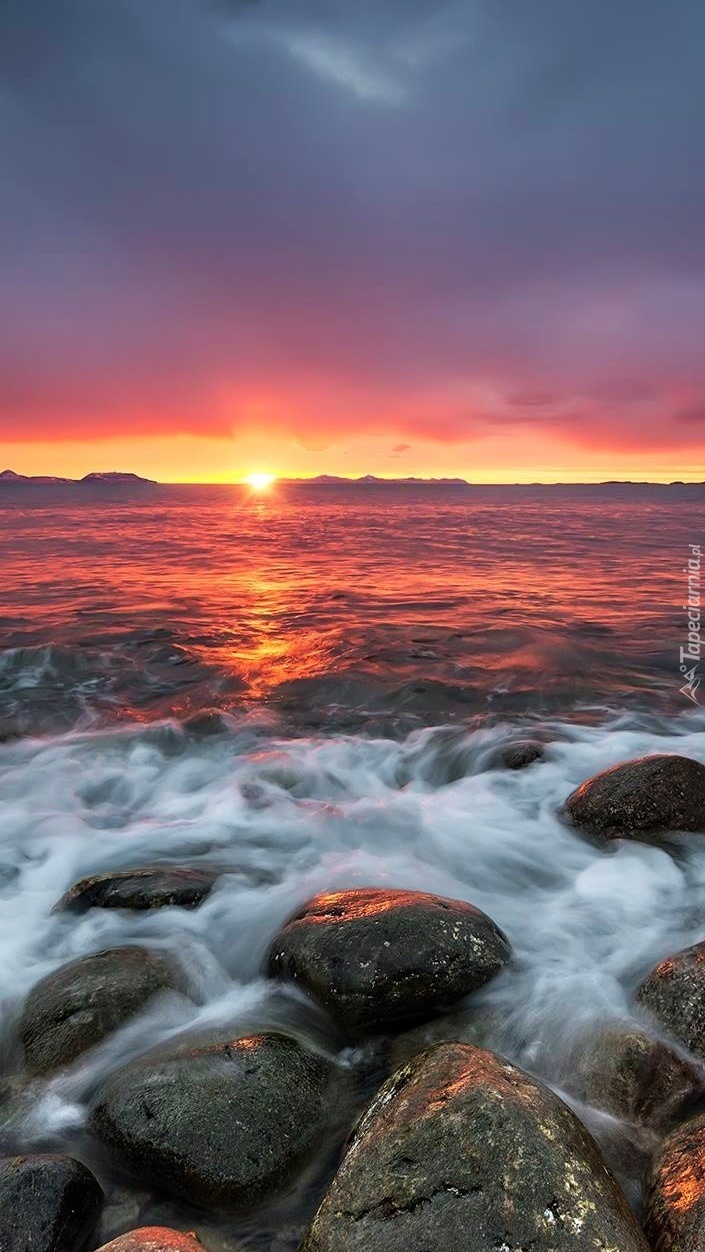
(260, 482)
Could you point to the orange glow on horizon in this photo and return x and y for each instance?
(260, 482)
(495, 459)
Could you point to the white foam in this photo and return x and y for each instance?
(295, 817)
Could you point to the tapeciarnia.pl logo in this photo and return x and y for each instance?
(690, 655)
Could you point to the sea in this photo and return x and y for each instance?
(310, 689)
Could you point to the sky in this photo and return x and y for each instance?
(395, 237)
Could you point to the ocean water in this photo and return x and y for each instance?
(368, 651)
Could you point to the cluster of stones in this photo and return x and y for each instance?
(459, 1147)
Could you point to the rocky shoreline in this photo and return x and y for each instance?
(431, 1138)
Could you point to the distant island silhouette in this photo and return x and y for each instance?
(108, 478)
(326, 480)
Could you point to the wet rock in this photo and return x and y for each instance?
(123, 1210)
(460, 1149)
(218, 1125)
(374, 957)
(154, 1239)
(521, 753)
(47, 1204)
(674, 992)
(641, 799)
(463, 1026)
(152, 887)
(630, 1074)
(17, 1100)
(674, 1195)
(79, 1004)
(205, 723)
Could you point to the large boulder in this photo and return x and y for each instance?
(154, 1239)
(641, 799)
(375, 957)
(152, 887)
(77, 1005)
(674, 1194)
(461, 1150)
(47, 1204)
(634, 1076)
(674, 992)
(219, 1125)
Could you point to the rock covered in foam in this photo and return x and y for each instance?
(81, 1003)
(48, 1203)
(461, 1149)
(520, 753)
(376, 957)
(641, 799)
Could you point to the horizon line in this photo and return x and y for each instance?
(323, 480)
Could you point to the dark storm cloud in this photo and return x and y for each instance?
(434, 216)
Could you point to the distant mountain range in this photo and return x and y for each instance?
(332, 480)
(326, 480)
(112, 478)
